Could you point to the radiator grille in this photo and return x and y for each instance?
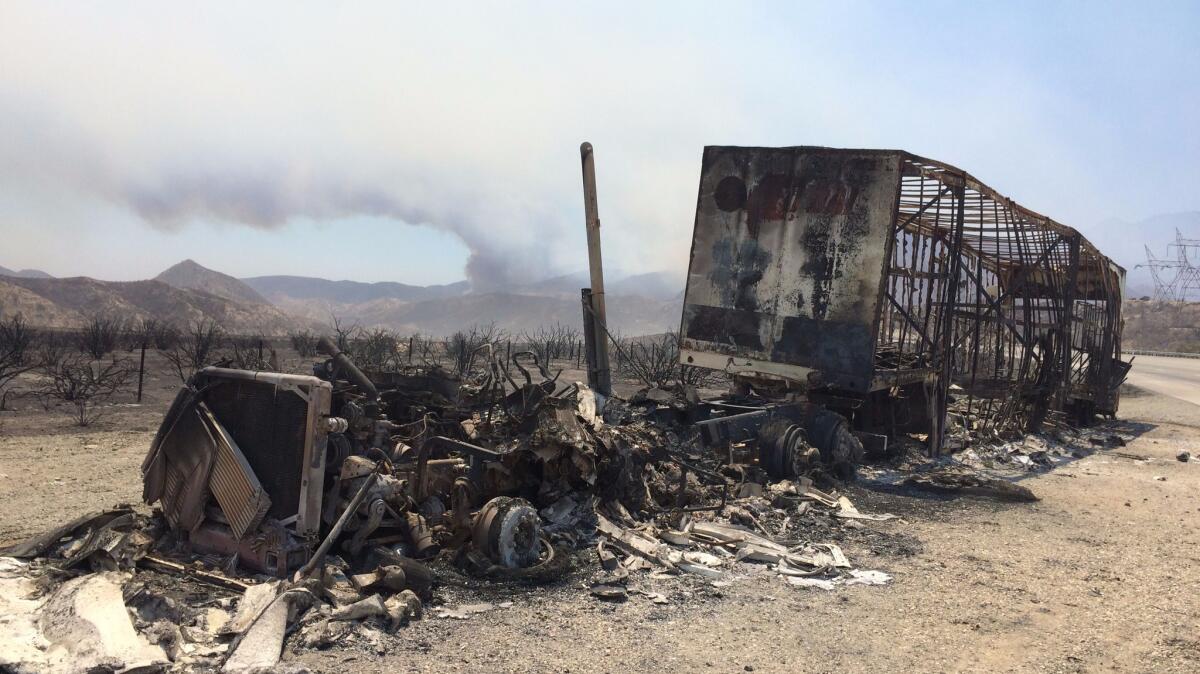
(268, 425)
(233, 483)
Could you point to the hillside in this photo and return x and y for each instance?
(70, 302)
(188, 275)
(638, 305)
(1162, 326)
(285, 289)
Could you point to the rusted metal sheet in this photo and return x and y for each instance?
(788, 259)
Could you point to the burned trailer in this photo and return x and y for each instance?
(898, 291)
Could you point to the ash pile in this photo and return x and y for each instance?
(294, 512)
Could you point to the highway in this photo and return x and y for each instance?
(1176, 377)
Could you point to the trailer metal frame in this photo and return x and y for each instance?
(879, 281)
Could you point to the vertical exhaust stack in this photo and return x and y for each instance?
(599, 374)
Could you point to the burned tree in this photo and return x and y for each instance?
(195, 348)
(149, 333)
(652, 360)
(344, 334)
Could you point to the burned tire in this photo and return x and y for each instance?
(830, 433)
(508, 531)
(784, 451)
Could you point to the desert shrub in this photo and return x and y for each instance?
(100, 336)
(195, 348)
(84, 384)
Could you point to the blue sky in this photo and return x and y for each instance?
(423, 145)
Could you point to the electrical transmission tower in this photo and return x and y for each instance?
(1176, 279)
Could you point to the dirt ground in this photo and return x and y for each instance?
(1100, 575)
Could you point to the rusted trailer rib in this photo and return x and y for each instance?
(899, 291)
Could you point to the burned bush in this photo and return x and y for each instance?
(84, 384)
(51, 346)
(376, 349)
(552, 342)
(165, 337)
(148, 333)
(463, 346)
(249, 352)
(100, 336)
(656, 362)
(303, 342)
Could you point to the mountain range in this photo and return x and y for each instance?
(71, 302)
(24, 273)
(187, 291)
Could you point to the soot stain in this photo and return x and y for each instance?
(737, 269)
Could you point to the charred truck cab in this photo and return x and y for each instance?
(898, 292)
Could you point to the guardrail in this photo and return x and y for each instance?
(1167, 354)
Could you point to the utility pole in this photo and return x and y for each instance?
(599, 373)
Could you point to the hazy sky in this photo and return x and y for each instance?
(425, 145)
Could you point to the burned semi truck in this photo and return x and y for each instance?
(852, 296)
(898, 291)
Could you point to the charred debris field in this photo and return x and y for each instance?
(860, 451)
(623, 515)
